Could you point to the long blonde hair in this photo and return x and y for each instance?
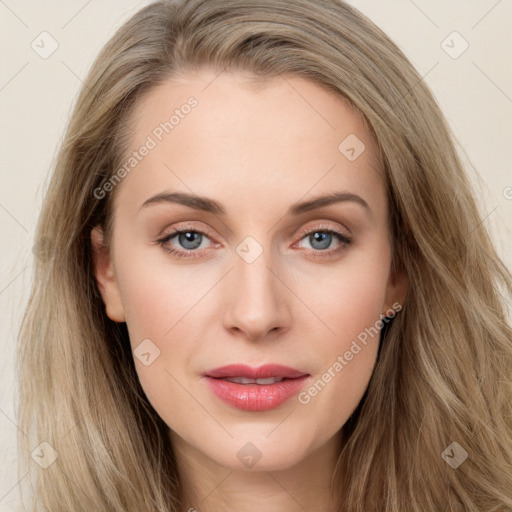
(444, 370)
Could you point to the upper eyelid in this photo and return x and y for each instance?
(321, 224)
(301, 232)
(324, 227)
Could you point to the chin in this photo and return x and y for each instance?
(260, 452)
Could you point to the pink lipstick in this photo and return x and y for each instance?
(255, 389)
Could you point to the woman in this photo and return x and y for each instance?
(191, 343)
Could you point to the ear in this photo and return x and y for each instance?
(396, 289)
(105, 277)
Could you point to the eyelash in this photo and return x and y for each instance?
(346, 240)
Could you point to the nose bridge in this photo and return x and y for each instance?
(255, 304)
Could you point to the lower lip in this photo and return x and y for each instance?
(256, 397)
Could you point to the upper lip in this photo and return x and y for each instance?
(260, 372)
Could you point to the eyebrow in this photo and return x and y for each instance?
(210, 205)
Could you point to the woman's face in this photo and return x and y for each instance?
(267, 274)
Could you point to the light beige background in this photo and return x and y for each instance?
(36, 95)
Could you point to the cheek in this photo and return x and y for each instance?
(162, 303)
(156, 317)
(156, 298)
(349, 298)
(351, 307)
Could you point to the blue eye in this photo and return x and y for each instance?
(321, 239)
(190, 240)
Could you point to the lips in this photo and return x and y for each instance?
(255, 389)
(261, 372)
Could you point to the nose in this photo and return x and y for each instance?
(256, 302)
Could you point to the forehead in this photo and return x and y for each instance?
(214, 132)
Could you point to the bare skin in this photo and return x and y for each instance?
(301, 303)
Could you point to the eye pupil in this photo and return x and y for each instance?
(322, 237)
(188, 237)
